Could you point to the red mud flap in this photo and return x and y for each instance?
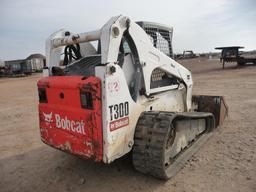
(70, 115)
(213, 104)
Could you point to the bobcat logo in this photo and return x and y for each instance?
(48, 117)
(63, 122)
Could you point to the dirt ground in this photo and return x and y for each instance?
(226, 163)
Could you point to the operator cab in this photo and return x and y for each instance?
(81, 58)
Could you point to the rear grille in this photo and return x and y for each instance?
(84, 67)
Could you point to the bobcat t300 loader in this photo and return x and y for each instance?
(117, 89)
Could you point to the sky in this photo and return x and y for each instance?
(199, 25)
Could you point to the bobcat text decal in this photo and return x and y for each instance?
(65, 123)
(119, 115)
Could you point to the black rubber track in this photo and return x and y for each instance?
(150, 139)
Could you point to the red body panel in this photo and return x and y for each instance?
(64, 124)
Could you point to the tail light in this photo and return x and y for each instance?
(42, 95)
(86, 100)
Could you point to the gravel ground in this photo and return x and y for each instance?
(227, 162)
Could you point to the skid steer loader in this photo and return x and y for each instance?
(117, 89)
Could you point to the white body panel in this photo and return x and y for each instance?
(119, 142)
(115, 90)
